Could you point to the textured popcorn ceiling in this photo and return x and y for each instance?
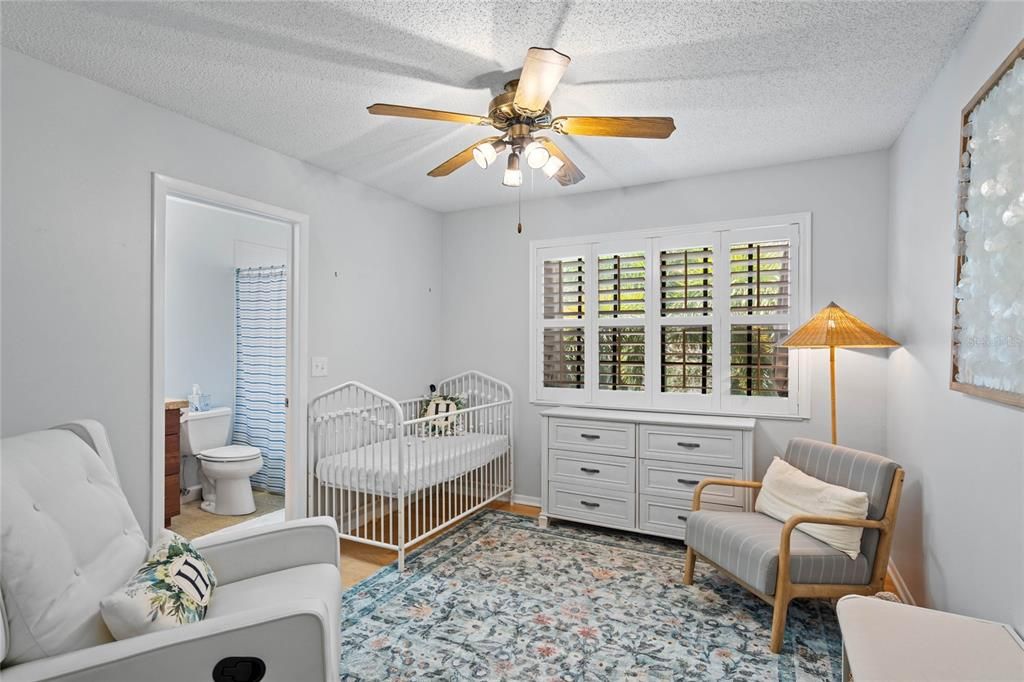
(748, 83)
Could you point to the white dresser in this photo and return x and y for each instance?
(638, 470)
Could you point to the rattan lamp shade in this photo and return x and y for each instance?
(834, 328)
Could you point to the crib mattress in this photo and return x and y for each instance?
(433, 460)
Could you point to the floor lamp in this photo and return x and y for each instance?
(834, 328)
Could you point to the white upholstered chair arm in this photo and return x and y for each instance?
(272, 548)
(190, 652)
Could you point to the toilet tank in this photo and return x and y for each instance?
(205, 430)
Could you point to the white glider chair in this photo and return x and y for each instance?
(70, 539)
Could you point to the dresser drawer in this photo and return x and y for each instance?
(608, 438)
(665, 516)
(698, 446)
(587, 469)
(597, 506)
(680, 479)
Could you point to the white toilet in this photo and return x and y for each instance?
(224, 470)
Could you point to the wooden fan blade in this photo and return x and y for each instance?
(430, 114)
(542, 70)
(658, 127)
(570, 173)
(460, 159)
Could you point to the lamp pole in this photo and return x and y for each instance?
(832, 387)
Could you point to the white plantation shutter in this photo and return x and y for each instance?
(686, 359)
(687, 277)
(620, 284)
(683, 327)
(563, 288)
(620, 328)
(759, 277)
(759, 365)
(564, 354)
(761, 315)
(562, 335)
(677, 319)
(621, 358)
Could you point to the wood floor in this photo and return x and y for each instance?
(361, 561)
(193, 521)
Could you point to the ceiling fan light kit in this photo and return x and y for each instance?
(536, 154)
(485, 154)
(523, 109)
(553, 165)
(513, 175)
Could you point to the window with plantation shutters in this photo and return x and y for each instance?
(621, 310)
(563, 289)
(686, 336)
(759, 311)
(684, 319)
(563, 357)
(621, 358)
(686, 281)
(562, 336)
(620, 284)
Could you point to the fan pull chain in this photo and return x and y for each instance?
(519, 225)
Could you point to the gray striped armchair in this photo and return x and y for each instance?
(779, 565)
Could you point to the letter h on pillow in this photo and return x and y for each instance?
(172, 588)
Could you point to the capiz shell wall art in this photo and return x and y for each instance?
(988, 318)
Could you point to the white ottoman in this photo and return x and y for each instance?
(883, 640)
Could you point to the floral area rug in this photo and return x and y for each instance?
(497, 598)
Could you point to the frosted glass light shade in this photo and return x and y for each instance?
(552, 166)
(486, 153)
(536, 154)
(513, 176)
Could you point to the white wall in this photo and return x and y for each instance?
(76, 164)
(961, 528)
(204, 246)
(486, 290)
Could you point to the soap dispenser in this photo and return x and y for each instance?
(194, 399)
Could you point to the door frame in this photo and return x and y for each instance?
(298, 335)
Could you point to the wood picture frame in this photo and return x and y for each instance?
(1001, 396)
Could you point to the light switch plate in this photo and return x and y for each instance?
(319, 367)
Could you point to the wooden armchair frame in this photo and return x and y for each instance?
(785, 589)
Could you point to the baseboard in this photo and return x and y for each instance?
(525, 500)
(192, 493)
(901, 587)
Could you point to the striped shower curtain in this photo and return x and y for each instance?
(261, 349)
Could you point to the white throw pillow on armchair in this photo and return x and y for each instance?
(786, 491)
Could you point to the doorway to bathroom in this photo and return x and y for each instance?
(228, 347)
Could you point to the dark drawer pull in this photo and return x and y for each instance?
(588, 470)
(590, 436)
(684, 444)
(681, 517)
(687, 481)
(592, 505)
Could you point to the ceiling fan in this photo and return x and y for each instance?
(521, 111)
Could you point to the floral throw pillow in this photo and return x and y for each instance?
(173, 587)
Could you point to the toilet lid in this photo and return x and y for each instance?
(230, 453)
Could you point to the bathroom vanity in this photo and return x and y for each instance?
(172, 459)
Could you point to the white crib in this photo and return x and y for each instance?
(391, 477)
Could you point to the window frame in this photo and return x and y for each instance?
(720, 235)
